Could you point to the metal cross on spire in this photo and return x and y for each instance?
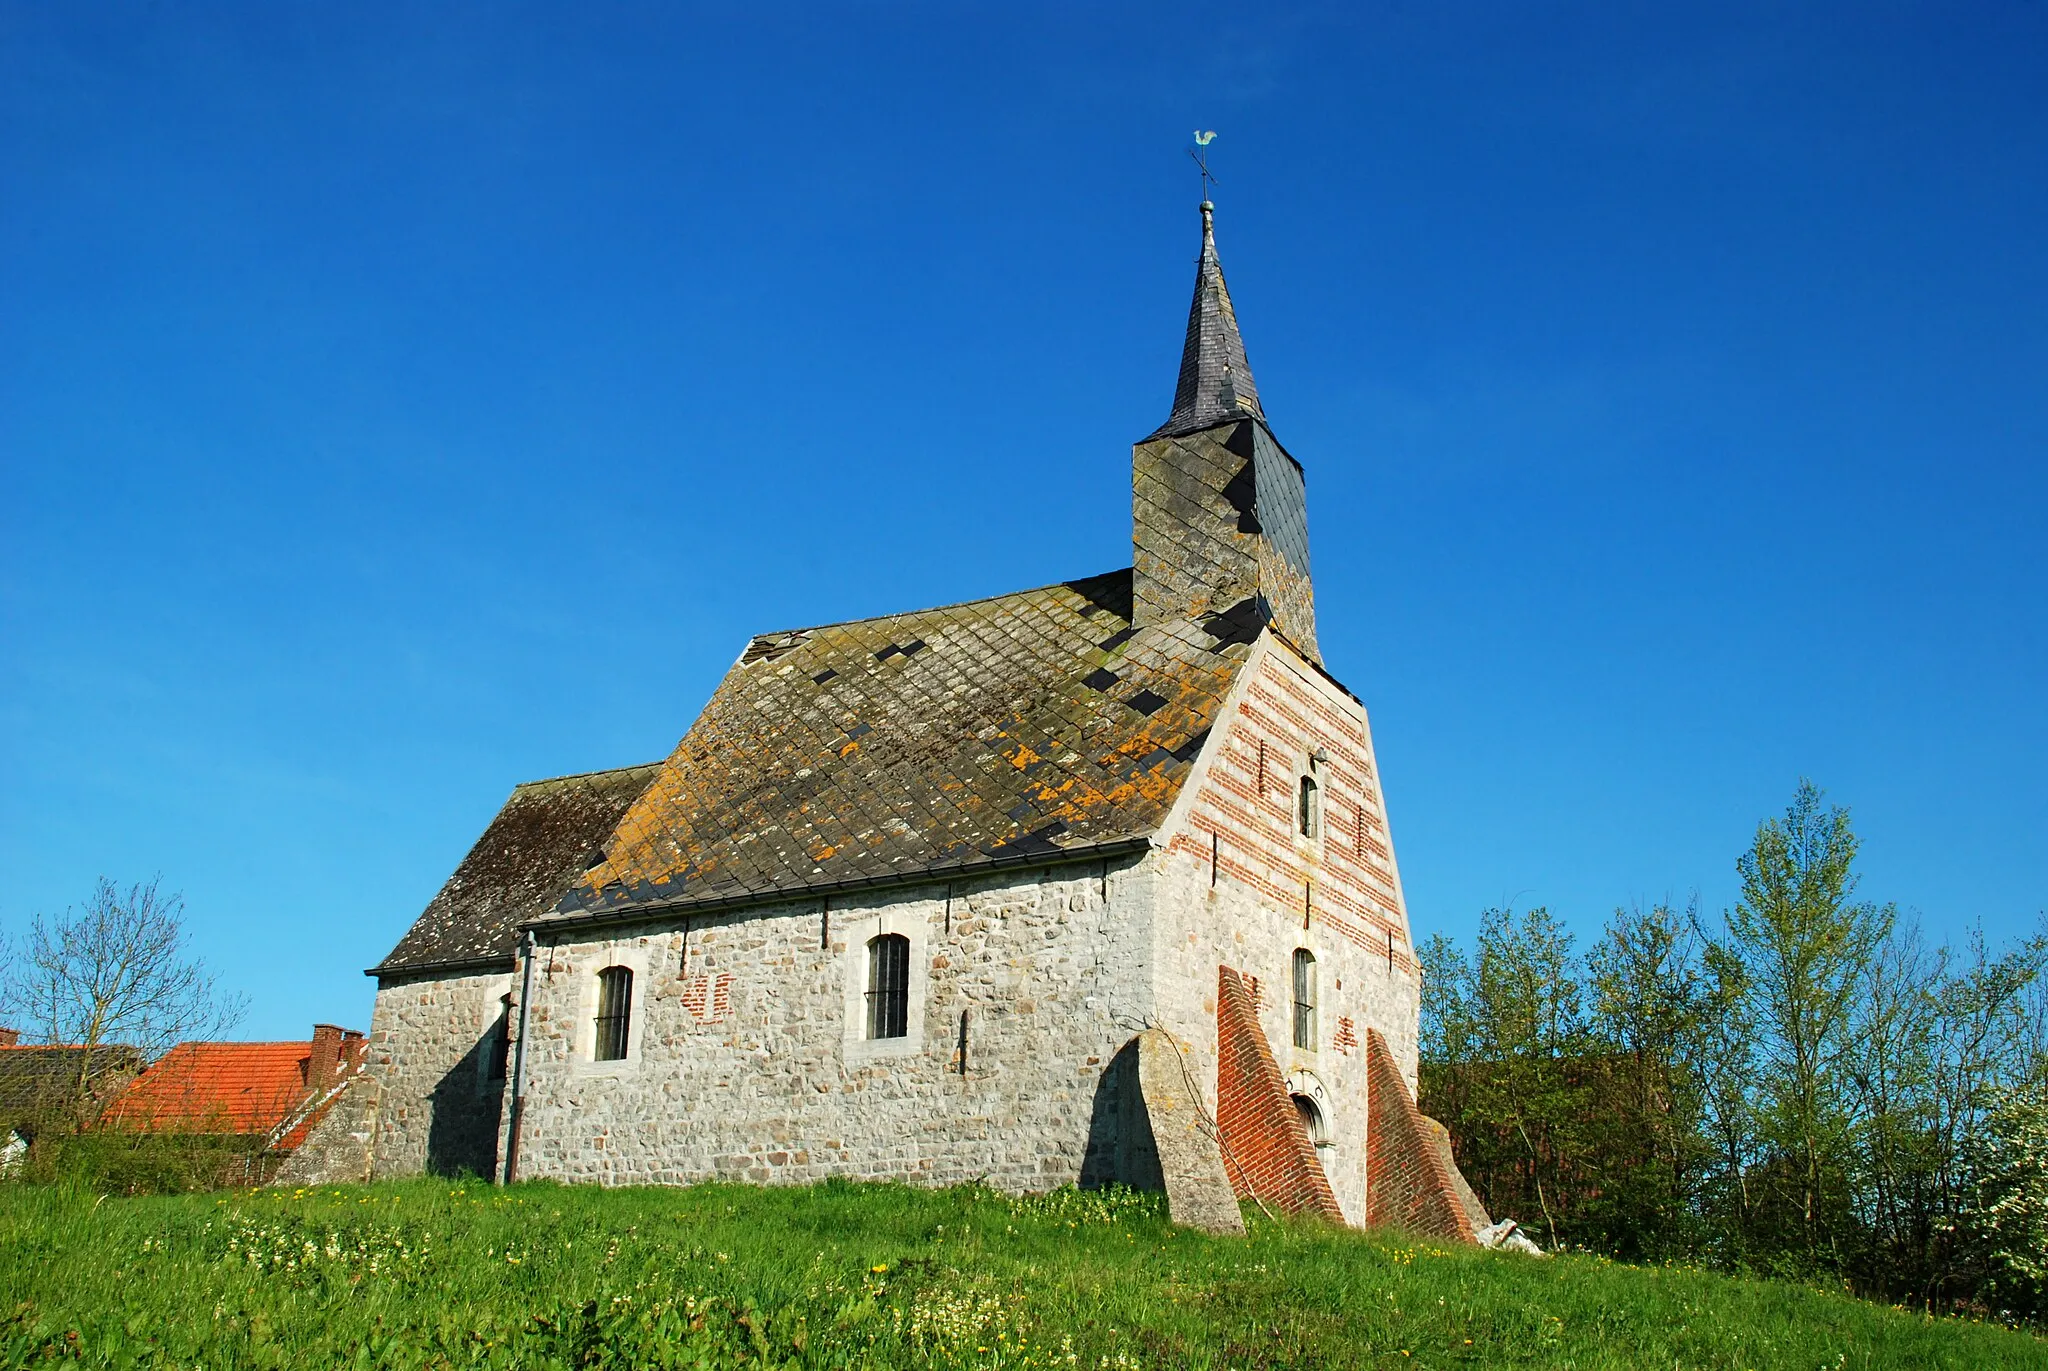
(1200, 152)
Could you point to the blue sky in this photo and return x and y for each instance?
(401, 402)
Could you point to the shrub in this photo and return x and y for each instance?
(2006, 1224)
(113, 1162)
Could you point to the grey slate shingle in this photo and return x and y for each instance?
(537, 844)
(992, 740)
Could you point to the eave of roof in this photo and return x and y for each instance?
(631, 912)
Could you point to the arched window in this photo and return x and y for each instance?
(889, 986)
(1304, 998)
(1310, 812)
(1312, 1120)
(614, 1012)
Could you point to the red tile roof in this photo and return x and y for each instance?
(275, 1091)
(219, 1088)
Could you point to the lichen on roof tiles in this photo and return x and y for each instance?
(838, 759)
(542, 839)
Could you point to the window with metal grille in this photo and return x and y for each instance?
(889, 986)
(1311, 808)
(1304, 998)
(614, 1012)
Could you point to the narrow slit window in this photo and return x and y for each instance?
(501, 1043)
(1310, 810)
(614, 1012)
(889, 986)
(1304, 999)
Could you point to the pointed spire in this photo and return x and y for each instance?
(1215, 379)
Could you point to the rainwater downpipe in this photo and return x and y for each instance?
(510, 1173)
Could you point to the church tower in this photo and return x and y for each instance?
(1218, 508)
(1089, 881)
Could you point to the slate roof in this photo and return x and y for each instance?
(539, 842)
(37, 1081)
(944, 740)
(1215, 385)
(1019, 728)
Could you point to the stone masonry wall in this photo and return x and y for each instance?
(1239, 888)
(432, 1040)
(340, 1149)
(747, 1058)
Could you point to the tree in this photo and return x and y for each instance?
(1806, 949)
(1728, 1104)
(1649, 1028)
(1447, 1028)
(115, 971)
(1942, 1041)
(1896, 1099)
(1501, 1036)
(1805, 1086)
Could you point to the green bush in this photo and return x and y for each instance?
(113, 1162)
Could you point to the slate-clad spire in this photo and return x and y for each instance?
(1215, 379)
(1219, 510)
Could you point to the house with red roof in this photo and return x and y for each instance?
(271, 1094)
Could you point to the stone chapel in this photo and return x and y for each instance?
(1090, 882)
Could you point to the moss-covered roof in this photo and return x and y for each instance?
(1027, 724)
(539, 842)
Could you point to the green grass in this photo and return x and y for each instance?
(438, 1274)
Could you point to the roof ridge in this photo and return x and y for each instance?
(69, 1047)
(586, 775)
(933, 609)
(267, 1042)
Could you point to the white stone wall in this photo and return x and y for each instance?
(1240, 886)
(1202, 927)
(747, 1054)
(1051, 968)
(430, 1043)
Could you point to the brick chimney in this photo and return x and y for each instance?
(9, 1037)
(325, 1063)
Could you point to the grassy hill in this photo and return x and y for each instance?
(434, 1274)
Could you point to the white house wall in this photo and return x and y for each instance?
(1240, 887)
(748, 1058)
(431, 1042)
